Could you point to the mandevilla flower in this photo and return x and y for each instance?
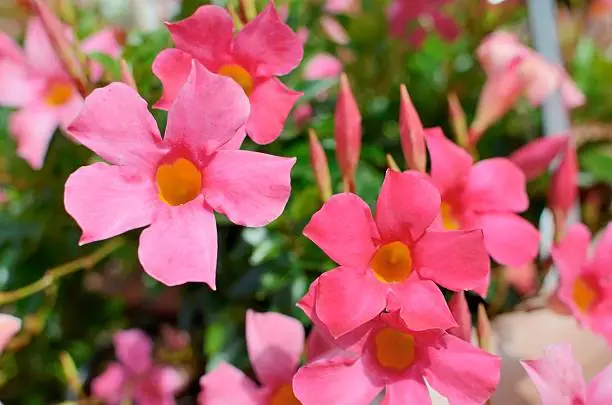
(512, 70)
(586, 284)
(263, 49)
(134, 376)
(35, 82)
(391, 261)
(485, 195)
(403, 12)
(385, 354)
(559, 380)
(9, 326)
(275, 343)
(175, 184)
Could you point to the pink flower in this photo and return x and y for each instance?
(512, 70)
(559, 380)
(403, 12)
(391, 261)
(385, 354)
(35, 82)
(9, 326)
(134, 376)
(334, 30)
(485, 195)
(175, 184)
(275, 343)
(585, 281)
(263, 49)
(322, 66)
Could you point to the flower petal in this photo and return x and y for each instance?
(535, 157)
(338, 382)
(450, 164)
(344, 229)
(133, 349)
(456, 260)
(131, 137)
(557, 376)
(602, 259)
(271, 103)
(275, 343)
(10, 50)
(39, 51)
(9, 326)
(496, 185)
(109, 385)
(206, 35)
(570, 254)
(510, 239)
(33, 129)
(107, 201)
(599, 390)
(348, 298)
(410, 297)
(226, 385)
(412, 386)
(18, 87)
(250, 188)
(400, 215)
(461, 372)
(189, 229)
(269, 45)
(172, 67)
(208, 112)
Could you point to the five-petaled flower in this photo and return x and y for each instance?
(175, 184)
(586, 283)
(559, 379)
(275, 343)
(391, 261)
(35, 82)
(487, 196)
(266, 47)
(385, 354)
(135, 376)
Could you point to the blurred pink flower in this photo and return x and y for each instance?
(263, 49)
(585, 280)
(302, 114)
(385, 354)
(175, 184)
(535, 157)
(559, 380)
(303, 34)
(334, 30)
(513, 70)
(486, 195)
(403, 12)
(275, 343)
(391, 261)
(523, 278)
(9, 326)
(341, 6)
(322, 66)
(35, 82)
(134, 376)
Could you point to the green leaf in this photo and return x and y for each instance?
(598, 162)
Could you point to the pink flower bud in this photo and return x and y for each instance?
(347, 131)
(411, 133)
(459, 308)
(318, 161)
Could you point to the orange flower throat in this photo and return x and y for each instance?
(284, 396)
(584, 294)
(392, 262)
(240, 76)
(393, 349)
(58, 94)
(178, 182)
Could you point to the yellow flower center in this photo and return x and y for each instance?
(392, 262)
(449, 221)
(240, 76)
(394, 349)
(284, 396)
(178, 182)
(58, 94)
(584, 295)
